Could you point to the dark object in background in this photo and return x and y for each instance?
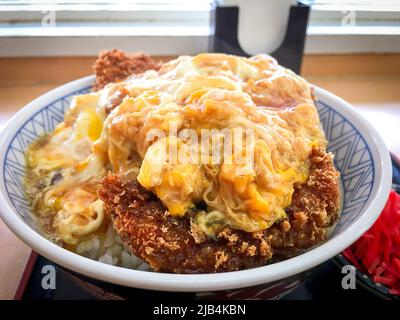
(290, 53)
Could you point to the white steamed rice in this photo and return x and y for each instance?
(109, 248)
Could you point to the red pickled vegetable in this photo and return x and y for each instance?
(377, 252)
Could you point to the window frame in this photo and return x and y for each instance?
(166, 29)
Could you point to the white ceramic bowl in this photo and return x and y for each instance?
(360, 155)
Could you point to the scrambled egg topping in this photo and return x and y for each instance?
(213, 93)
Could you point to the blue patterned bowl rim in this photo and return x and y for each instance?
(359, 152)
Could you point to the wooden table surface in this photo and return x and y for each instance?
(371, 83)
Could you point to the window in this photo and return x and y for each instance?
(72, 27)
(355, 17)
(342, 26)
(106, 17)
(170, 27)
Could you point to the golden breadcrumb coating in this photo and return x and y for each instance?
(171, 244)
(115, 65)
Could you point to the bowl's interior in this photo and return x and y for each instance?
(35, 126)
(352, 157)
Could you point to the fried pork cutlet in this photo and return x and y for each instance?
(115, 65)
(171, 244)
